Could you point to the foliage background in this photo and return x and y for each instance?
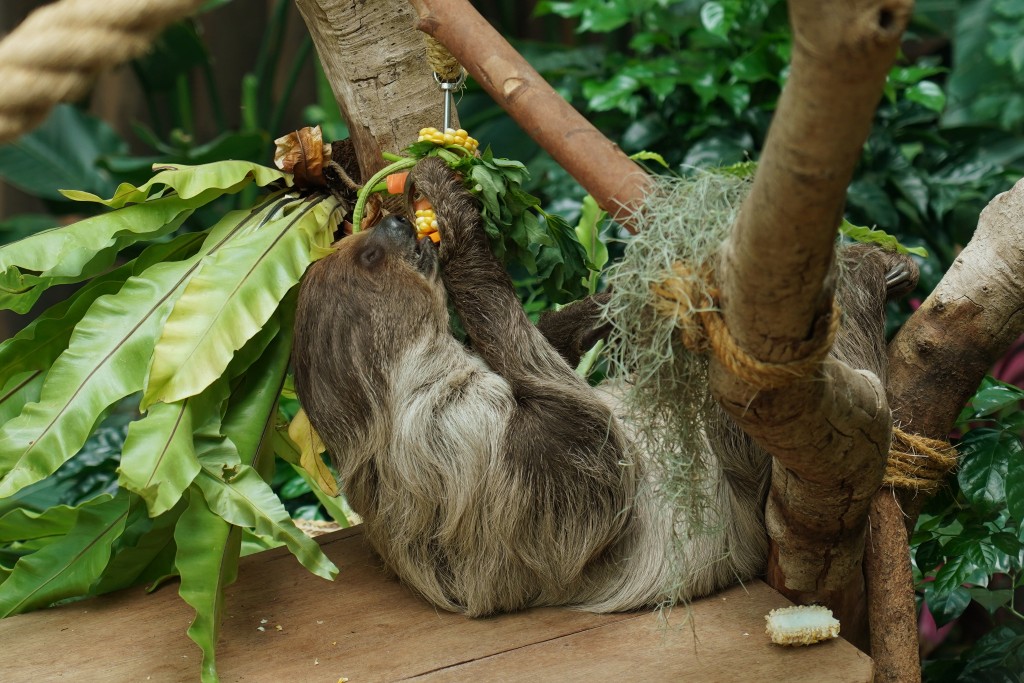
(695, 81)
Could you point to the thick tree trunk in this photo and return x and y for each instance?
(935, 363)
(375, 61)
(829, 435)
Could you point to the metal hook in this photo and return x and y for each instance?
(447, 87)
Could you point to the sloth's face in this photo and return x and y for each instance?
(383, 284)
(392, 244)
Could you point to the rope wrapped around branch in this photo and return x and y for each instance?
(692, 298)
(917, 463)
(56, 53)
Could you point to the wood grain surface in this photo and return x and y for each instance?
(368, 627)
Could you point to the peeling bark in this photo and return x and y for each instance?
(375, 61)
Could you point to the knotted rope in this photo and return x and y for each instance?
(56, 53)
(915, 462)
(693, 300)
(918, 463)
(441, 60)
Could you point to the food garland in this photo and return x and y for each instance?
(520, 232)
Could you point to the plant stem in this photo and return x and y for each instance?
(367, 190)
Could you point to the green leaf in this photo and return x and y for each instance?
(879, 237)
(46, 337)
(106, 360)
(927, 94)
(714, 18)
(201, 184)
(982, 475)
(991, 600)
(207, 560)
(158, 460)
(22, 524)
(993, 399)
(946, 606)
(232, 297)
(63, 152)
(67, 567)
(960, 569)
(147, 556)
(928, 555)
(1015, 487)
(247, 501)
(76, 252)
(645, 155)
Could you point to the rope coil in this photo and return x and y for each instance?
(57, 51)
(917, 463)
(441, 60)
(692, 299)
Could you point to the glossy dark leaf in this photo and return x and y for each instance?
(63, 152)
(946, 606)
(985, 460)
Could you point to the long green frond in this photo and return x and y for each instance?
(106, 360)
(206, 180)
(232, 297)
(67, 567)
(244, 499)
(207, 561)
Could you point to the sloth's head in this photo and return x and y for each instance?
(381, 286)
(359, 308)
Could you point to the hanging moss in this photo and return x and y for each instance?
(683, 221)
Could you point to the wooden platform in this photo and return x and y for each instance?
(366, 627)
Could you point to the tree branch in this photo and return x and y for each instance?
(375, 61)
(936, 361)
(829, 436)
(591, 158)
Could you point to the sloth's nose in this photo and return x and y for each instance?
(396, 228)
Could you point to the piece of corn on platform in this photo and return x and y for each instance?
(803, 625)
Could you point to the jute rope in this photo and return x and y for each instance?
(441, 60)
(915, 462)
(918, 463)
(693, 300)
(56, 53)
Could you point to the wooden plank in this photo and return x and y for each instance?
(717, 639)
(368, 627)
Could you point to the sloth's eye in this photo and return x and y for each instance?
(371, 256)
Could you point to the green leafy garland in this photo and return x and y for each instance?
(520, 231)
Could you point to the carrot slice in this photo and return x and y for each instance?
(396, 182)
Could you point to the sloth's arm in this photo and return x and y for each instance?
(479, 287)
(573, 329)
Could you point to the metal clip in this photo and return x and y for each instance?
(448, 87)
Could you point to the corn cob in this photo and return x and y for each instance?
(449, 136)
(426, 225)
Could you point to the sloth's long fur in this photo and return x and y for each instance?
(493, 478)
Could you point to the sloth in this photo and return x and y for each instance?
(489, 475)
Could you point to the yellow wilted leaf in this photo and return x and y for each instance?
(301, 432)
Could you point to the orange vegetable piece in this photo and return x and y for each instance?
(396, 182)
